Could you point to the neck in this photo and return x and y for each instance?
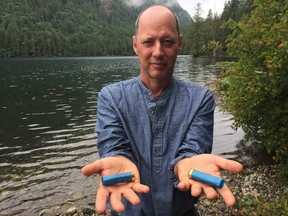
(156, 86)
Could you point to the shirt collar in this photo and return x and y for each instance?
(165, 94)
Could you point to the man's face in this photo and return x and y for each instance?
(157, 44)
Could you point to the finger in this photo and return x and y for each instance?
(101, 198)
(210, 192)
(140, 188)
(116, 203)
(196, 190)
(92, 168)
(184, 186)
(229, 165)
(184, 182)
(131, 196)
(227, 195)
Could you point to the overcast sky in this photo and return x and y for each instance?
(189, 6)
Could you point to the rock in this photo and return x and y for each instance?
(71, 211)
(46, 213)
(88, 211)
(222, 208)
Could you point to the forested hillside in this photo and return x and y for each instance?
(68, 27)
(207, 36)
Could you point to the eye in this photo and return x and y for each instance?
(168, 42)
(147, 42)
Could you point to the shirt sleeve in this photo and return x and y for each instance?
(199, 137)
(112, 139)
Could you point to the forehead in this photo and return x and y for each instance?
(157, 18)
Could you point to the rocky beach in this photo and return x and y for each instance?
(260, 181)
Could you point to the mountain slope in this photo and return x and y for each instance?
(71, 27)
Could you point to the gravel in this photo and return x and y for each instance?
(260, 181)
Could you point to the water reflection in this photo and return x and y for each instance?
(48, 112)
(198, 70)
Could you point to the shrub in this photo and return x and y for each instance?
(256, 88)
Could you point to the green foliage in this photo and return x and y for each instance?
(201, 32)
(206, 36)
(68, 28)
(65, 28)
(257, 94)
(253, 205)
(234, 9)
(80, 28)
(99, 27)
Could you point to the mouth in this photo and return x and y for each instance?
(158, 64)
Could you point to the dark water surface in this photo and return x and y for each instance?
(47, 117)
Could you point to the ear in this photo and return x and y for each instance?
(180, 47)
(134, 42)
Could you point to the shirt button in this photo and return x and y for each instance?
(157, 131)
(156, 150)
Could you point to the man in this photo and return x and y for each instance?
(157, 126)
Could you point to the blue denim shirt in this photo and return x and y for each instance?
(155, 134)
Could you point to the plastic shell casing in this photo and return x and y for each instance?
(205, 178)
(118, 178)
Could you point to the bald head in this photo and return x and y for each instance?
(156, 10)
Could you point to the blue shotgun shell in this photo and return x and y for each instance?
(205, 178)
(118, 178)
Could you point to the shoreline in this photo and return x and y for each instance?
(258, 180)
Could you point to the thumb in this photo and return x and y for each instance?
(92, 168)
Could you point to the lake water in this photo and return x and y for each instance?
(48, 113)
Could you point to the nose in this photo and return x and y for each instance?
(158, 49)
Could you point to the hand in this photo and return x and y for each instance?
(210, 164)
(115, 165)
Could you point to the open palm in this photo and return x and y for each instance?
(115, 165)
(210, 164)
